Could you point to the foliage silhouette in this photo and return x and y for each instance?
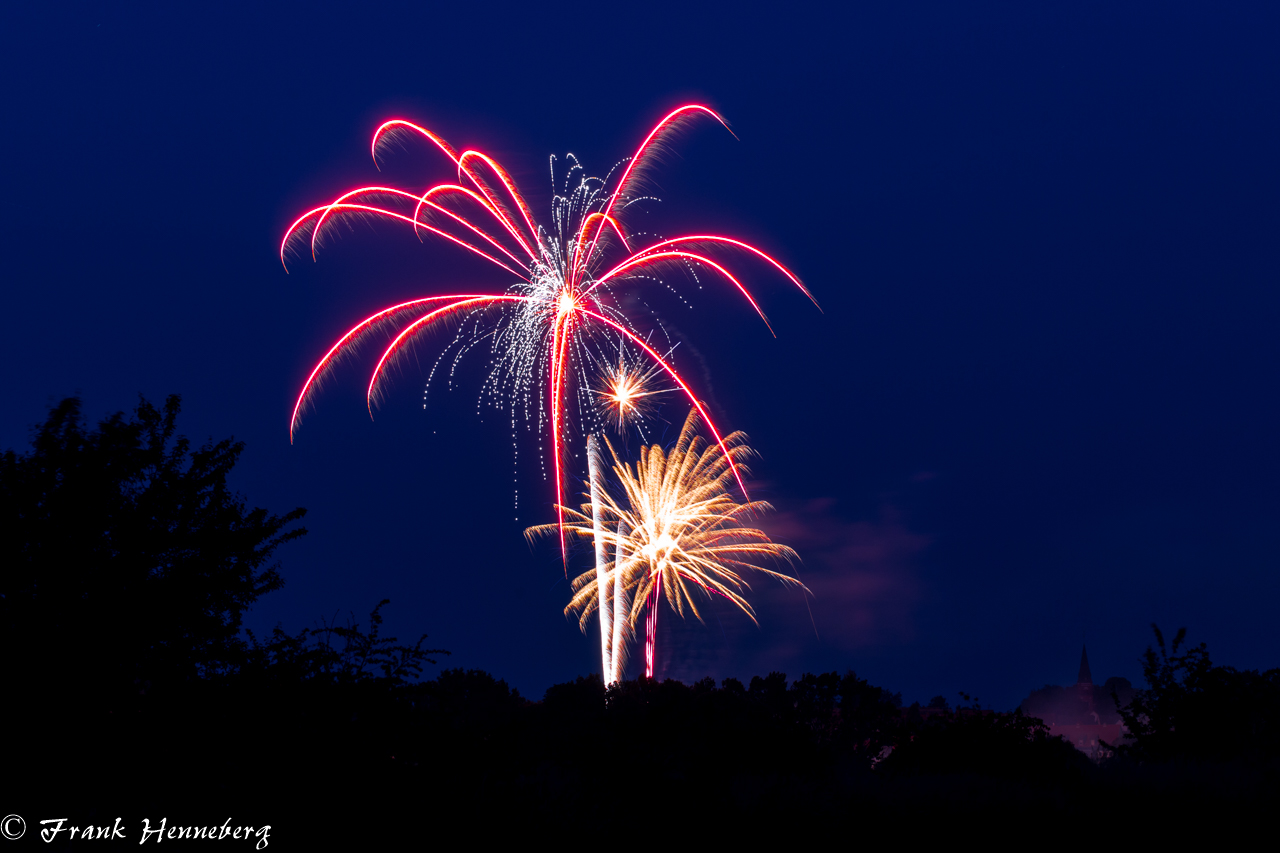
(1192, 710)
(127, 557)
(972, 742)
(310, 655)
(128, 566)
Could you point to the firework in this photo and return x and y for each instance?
(676, 532)
(557, 317)
(626, 390)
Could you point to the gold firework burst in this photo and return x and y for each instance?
(675, 531)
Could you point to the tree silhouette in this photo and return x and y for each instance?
(1192, 710)
(973, 742)
(311, 655)
(128, 561)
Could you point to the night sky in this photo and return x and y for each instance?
(1038, 406)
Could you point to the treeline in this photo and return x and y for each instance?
(132, 689)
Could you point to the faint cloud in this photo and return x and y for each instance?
(862, 574)
(865, 581)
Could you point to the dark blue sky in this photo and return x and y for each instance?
(1040, 404)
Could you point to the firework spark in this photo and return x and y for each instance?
(557, 317)
(676, 533)
(626, 391)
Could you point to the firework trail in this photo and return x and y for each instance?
(677, 533)
(556, 322)
(604, 577)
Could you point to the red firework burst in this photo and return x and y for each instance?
(558, 313)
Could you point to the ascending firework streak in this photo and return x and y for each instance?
(558, 318)
(604, 576)
(677, 534)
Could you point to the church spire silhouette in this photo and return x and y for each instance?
(1084, 677)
